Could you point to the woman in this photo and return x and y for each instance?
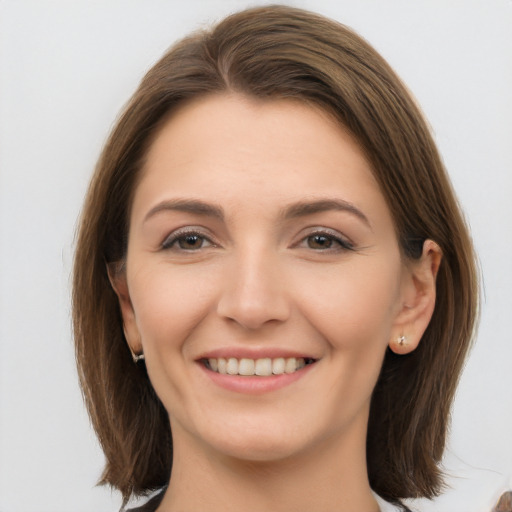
(270, 232)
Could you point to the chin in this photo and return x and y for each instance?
(256, 441)
(260, 450)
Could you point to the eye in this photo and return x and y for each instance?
(320, 242)
(186, 240)
(326, 240)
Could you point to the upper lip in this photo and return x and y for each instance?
(254, 353)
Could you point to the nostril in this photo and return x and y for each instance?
(253, 315)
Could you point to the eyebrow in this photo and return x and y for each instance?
(295, 210)
(187, 205)
(304, 208)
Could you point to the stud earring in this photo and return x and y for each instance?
(402, 340)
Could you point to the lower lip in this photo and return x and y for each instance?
(254, 385)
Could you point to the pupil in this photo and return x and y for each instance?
(191, 241)
(320, 241)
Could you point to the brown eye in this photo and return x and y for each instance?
(326, 241)
(186, 241)
(190, 242)
(320, 242)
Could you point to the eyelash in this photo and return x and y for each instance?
(331, 237)
(181, 235)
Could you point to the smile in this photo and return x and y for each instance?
(263, 367)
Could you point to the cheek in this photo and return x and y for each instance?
(354, 306)
(169, 304)
(354, 315)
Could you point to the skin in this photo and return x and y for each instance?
(329, 284)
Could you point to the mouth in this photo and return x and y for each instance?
(263, 367)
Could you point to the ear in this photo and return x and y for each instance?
(418, 299)
(117, 276)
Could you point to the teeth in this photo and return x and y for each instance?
(262, 367)
(214, 364)
(290, 365)
(232, 366)
(221, 363)
(246, 367)
(278, 366)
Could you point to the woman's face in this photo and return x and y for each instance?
(264, 279)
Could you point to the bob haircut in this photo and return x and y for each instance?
(266, 53)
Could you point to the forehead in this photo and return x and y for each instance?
(242, 151)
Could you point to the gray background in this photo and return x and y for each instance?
(66, 69)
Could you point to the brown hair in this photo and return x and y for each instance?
(281, 52)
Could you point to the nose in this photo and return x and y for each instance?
(254, 292)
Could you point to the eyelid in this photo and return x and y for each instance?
(343, 242)
(174, 236)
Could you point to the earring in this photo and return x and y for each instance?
(402, 340)
(136, 357)
(400, 345)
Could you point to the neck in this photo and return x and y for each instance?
(330, 478)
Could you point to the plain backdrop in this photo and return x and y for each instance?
(66, 69)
